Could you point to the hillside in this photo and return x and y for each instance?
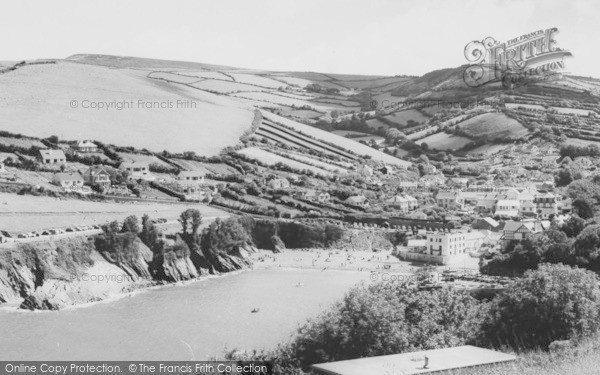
(37, 100)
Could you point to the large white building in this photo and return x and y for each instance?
(445, 247)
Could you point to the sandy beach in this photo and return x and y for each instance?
(331, 259)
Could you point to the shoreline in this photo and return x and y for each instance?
(318, 260)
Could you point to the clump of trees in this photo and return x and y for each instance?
(556, 302)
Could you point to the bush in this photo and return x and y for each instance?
(386, 318)
(555, 302)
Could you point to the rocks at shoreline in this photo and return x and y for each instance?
(53, 275)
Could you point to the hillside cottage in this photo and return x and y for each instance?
(48, 156)
(318, 196)
(191, 176)
(403, 203)
(279, 183)
(137, 170)
(97, 176)
(87, 146)
(69, 181)
(358, 200)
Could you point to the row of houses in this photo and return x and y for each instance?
(187, 182)
(507, 203)
(452, 247)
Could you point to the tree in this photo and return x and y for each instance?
(150, 234)
(573, 226)
(556, 302)
(223, 236)
(130, 224)
(386, 318)
(563, 177)
(190, 220)
(583, 207)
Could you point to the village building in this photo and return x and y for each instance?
(486, 223)
(549, 161)
(507, 208)
(546, 205)
(452, 200)
(137, 170)
(519, 230)
(87, 146)
(48, 156)
(408, 185)
(445, 247)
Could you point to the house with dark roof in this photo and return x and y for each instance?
(97, 176)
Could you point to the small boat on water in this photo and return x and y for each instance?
(255, 310)
(299, 284)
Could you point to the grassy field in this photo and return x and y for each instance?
(377, 124)
(331, 138)
(150, 159)
(19, 213)
(257, 80)
(45, 100)
(21, 142)
(225, 87)
(581, 142)
(494, 125)
(403, 117)
(271, 159)
(443, 141)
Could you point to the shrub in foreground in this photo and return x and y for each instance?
(387, 318)
(555, 302)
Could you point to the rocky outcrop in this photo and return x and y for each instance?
(56, 274)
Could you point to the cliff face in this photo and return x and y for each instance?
(55, 274)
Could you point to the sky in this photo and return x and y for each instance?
(377, 37)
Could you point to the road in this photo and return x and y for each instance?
(171, 226)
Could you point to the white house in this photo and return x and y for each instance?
(70, 181)
(137, 170)
(87, 146)
(404, 203)
(279, 183)
(358, 200)
(192, 176)
(48, 156)
(507, 208)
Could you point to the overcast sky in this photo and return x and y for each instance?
(383, 37)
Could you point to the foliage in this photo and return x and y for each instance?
(222, 236)
(386, 318)
(190, 220)
(556, 302)
(130, 225)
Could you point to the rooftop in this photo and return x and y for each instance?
(413, 363)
